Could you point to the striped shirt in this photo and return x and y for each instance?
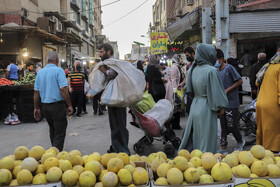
(77, 80)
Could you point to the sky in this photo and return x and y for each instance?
(131, 27)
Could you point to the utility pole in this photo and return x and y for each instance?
(222, 26)
(206, 22)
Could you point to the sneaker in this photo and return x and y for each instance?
(78, 115)
(222, 151)
(14, 119)
(7, 119)
(239, 146)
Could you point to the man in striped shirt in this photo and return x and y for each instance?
(76, 81)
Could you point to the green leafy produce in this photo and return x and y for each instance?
(28, 79)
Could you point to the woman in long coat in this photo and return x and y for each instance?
(176, 79)
(209, 98)
(268, 105)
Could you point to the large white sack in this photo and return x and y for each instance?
(125, 90)
(162, 111)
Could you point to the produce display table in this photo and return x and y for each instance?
(17, 99)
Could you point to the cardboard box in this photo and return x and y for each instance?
(144, 165)
(216, 184)
(57, 184)
(261, 181)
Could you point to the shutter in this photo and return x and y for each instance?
(248, 22)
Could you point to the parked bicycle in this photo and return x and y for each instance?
(248, 123)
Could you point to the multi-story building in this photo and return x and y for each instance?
(114, 44)
(167, 12)
(139, 53)
(39, 26)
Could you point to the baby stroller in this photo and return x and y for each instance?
(155, 124)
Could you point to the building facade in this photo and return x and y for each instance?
(65, 26)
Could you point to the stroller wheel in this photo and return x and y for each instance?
(169, 150)
(138, 148)
(147, 140)
(176, 142)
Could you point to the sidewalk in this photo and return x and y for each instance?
(90, 133)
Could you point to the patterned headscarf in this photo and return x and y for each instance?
(260, 75)
(176, 59)
(154, 61)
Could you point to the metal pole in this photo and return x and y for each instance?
(206, 22)
(222, 26)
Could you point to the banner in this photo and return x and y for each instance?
(175, 47)
(159, 42)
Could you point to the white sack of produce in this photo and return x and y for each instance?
(125, 90)
(162, 111)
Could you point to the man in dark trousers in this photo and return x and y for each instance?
(117, 115)
(51, 87)
(76, 82)
(190, 55)
(255, 69)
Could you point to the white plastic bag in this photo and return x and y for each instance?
(97, 81)
(125, 90)
(86, 87)
(161, 112)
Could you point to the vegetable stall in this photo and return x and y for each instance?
(17, 97)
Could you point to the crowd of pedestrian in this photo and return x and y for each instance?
(209, 82)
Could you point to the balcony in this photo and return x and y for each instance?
(85, 33)
(76, 4)
(76, 26)
(240, 2)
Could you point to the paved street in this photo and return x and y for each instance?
(88, 134)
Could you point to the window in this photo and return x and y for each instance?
(78, 17)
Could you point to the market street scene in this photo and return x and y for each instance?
(150, 93)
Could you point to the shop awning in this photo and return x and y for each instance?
(48, 37)
(185, 24)
(70, 37)
(257, 21)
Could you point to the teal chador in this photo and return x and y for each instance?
(209, 98)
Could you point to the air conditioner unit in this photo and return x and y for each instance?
(59, 26)
(189, 2)
(178, 13)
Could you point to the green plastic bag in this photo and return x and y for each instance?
(146, 103)
(178, 100)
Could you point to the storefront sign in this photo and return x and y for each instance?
(175, 46)
(159, 42)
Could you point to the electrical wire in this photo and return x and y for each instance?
(127, 14)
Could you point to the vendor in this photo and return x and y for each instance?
(29, 69)
(12, 71)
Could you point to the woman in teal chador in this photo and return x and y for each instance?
(209, 98)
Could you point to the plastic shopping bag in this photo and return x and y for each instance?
(126, 89)
(161, 112)
(86, 87)
(178, 99)
(146, 103)
(97, 81)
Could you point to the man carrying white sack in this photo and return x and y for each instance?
(123, 86)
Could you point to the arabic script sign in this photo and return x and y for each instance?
(159, 42)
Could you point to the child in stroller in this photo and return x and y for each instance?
(153, 118)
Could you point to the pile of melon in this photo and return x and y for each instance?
(40, 166)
